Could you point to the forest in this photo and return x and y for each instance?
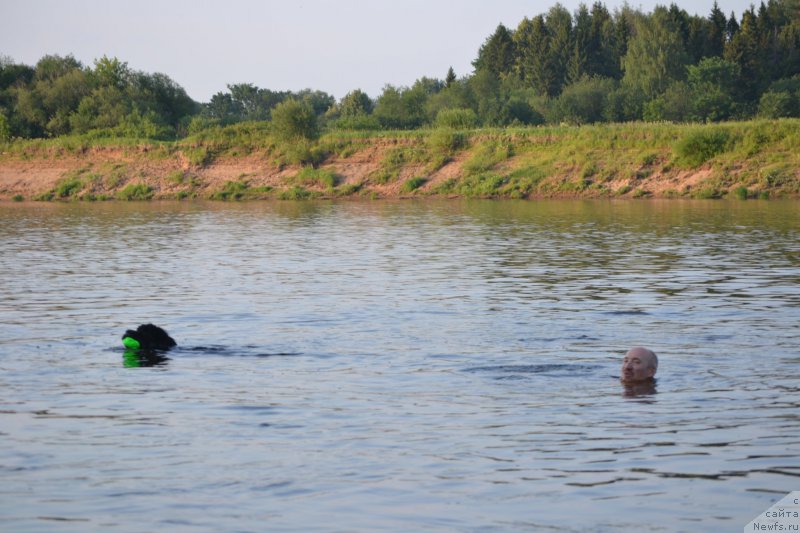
(590, 66)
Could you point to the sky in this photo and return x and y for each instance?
(334, 46)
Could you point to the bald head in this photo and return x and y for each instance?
(640, 364)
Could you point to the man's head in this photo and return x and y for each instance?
(640, 364)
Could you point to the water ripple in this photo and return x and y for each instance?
(398, 365)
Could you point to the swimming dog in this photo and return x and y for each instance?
(148, 337)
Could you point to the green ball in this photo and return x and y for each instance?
(130, 343)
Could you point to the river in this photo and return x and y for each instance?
(398, 365)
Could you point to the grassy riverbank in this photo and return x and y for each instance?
(245, 161)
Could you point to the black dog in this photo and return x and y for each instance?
(148, 337)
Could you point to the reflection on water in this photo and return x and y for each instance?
(436, 366)
(138, 358)
(640, 389)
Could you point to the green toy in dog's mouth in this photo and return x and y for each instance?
(131, 343)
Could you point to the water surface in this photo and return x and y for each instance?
(398, 366)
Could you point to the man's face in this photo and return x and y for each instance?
(638, 365)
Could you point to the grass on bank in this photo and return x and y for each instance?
(606, 160)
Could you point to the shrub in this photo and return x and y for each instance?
(199, 156)
(68, 187)
(5, 130)
(447, 141)
(357, 123)
(487, 156)
(708, 193)
(394, 161)
(44, 197)
(136, 191)
(583, 102)
(17, 198)
(231, 190)
(524, 180)
(292, 119)
(199, 123)
(649, 159)
(177, 177)
(456, 118)
(778, 105)
(296, 193)
(782, 99)
(780, 179)
(304, 152)
(338, 145)
(142, 126)
(701, 145)
(741, 192)
(413, 184)
(482, 186)
(318, 176)
(348, 189)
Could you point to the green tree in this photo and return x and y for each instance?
(624, 28)
(677, 104)
(561, 49)
(489, 96)
(318, 101)
(161, 97)
(450, 78)
(778, 105)
(578, 65)
(782, 99)
(716, 32)
(389, 109)
(355, 103)
(5, 130)
(624, 104)
(534, 65)
(583, 102)
(698, 43)
(50, 67)
(731, 28)
(224, 108)
(104, 108)
(456, 119)
(406, 108)
(743, 51)
(677, 21)
(789, 45)
(12, 74)
(500, 102)
(602, 58)
(713, 84)
(294, 120)
(496, 55)
(353, 112)
(58, 86)
(248, 101)
(655, 57)
(110, 72)
(457, 96)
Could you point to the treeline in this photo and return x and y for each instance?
(60, 96)
(558, 67)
